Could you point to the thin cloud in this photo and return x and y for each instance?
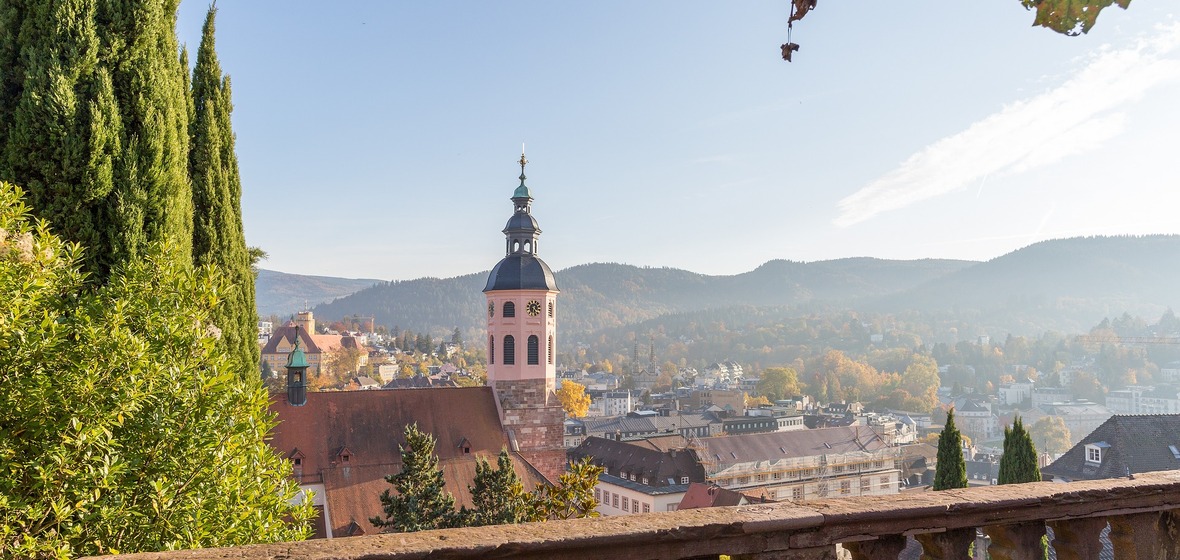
(1075, 117)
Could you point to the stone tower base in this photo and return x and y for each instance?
(535, 422)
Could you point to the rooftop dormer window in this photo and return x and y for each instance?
(1094, 451)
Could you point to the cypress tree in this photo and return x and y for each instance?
(93, 123)
(1019, 462)
(951, 471)
(218, 236)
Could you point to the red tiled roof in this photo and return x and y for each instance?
(703, 495)
(312, 343)
(369, 424)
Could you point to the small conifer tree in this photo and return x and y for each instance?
(497, 495)
(1019, 463)
(952, 469)
(422, 501)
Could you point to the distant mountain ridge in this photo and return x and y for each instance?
(1065, 285)
(281, 293)
(605, 295)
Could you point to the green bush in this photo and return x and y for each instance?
(124, 427)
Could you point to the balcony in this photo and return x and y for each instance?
(1143, 516)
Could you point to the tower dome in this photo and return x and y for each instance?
(521, 268)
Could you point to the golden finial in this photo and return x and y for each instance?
(523, 162)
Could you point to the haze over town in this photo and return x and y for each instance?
(671, 134)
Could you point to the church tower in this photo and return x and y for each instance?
(522, 335)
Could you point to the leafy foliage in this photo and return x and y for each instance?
(779, 383)
(1019, 462)
(1070, 17)
(422, 501)
(951, 471)
(573, 398)
(124, 426)
(572, 496)
(1051, 435)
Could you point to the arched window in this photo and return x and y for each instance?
(491, 350)
(534, 350)
(509, 309)
(550, 349)
(509, 350)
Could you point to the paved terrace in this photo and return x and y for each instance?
(1143, 513)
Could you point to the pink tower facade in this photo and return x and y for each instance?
(522, 337)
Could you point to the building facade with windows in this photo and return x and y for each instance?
(804, 464)
(640, 476)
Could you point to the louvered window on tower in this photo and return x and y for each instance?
(491, 350)
(509, 349)
(551, 348)
(509, 309)
(534, 350)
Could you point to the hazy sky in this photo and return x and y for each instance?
(379, 139)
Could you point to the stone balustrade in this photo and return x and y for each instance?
(1143, 515)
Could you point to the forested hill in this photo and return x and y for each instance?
(603, 295)
(282, 294)
(1065, 285)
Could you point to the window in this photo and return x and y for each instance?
(865, 485)
(1093, 454)
(534, 350)
(839, 468)
(491, 350)
(298, 462)
(672, 507)
(550, 309)
(683, 480)
(550, 349)
(598, 495)
(878, 464)
(614, 501)
(646, 508)
(509, 309)
(509, 350)
(760, 478)
(743, 480)
(884, 482)
(645, 480)
(626, 503)
(797, 493)
(777, 476)
(634, 506)
(845, 487)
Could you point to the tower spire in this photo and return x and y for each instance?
(523, 162)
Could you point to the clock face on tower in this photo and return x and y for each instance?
(491, 309)
(533, 308)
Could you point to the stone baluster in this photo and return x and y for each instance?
(1169, 534)
(1019, 541)
(1077, 539)
(1135, 536)
(950, 545)
(884, 548)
